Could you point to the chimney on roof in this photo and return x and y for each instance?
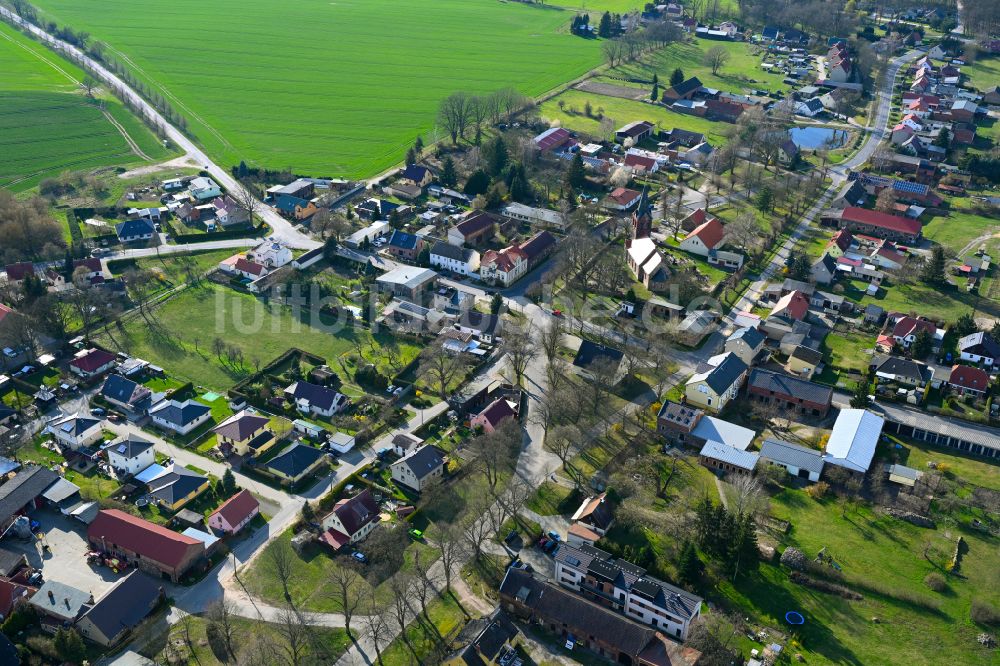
(52, 597)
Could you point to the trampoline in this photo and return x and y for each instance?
(793, 617)
(210, 396)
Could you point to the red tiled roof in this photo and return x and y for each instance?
(505, 259)
(842, 239)
(141, 536)
(697, 217)
(4, 311)
(244, 265)
(624, 196)
(17, 272)
(794, 304)
(476, 223)
(237, 508)
(335, 539)
(10, 592)
(92, 264)
(967, 377)
(356, 512)
(710, 232)
(881, 220)
(632, 160)
(911, 325)
(92, 360)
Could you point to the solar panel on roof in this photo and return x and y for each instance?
(67, 427)
(121, 448)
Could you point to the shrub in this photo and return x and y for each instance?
(984, 613)
(936, 582)
(818, 490)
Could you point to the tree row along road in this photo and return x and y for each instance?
(283, 230)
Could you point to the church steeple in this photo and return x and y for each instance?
(642, 217)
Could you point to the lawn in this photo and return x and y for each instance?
(48, 125)
(873, 550)
(960, 227)
(845, 350)
(341, 90)
(425, 637)
(186, 325)
(174, 647)
(740, 72)
(621, 111)
(553, 499)
(983, 73)
(173, 269)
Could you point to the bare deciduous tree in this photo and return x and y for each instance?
(520, 348)
(376, 624)
(247, 199)
(279, 556)
(347, 589)
(451, 550)
(440, 367)
(563, 441)
(222, 618)
(453, 115)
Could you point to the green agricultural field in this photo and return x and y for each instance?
(621, 111)
(336, 88)
(48, 125)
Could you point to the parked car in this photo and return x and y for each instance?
(359, 556)
(97, 411)
(554, 536)
(416, 534)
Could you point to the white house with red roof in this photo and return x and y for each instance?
(249, 269)
(905, 329)
(505, 266)
(709, 236)
(793, 306)
(92, 363)
(235, 513)
(351, 520)
(622, 199)
(966, 379)
(641, 164)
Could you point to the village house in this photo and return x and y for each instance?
(719, 382)
(803, 361)
(295, 463)
(684, 90)
(135, 231)
(133, 398)
(627, 589)
(58, 604)
(271, 254)
(489, 641)
(75, 430)
(587, 625)
(720, 457)
(420, 468)
(295, 208)
(495, 414)
(404, 246)
(409, 283)
(461, 260)
(318, 400)
(151, 548)
(120, 610)
(228, 213)
(180, 417)
(622, 199)
(537, 217)
(555, 139)
(979, 348)
(591, 521)
(176, 486)
(905, 328)
(91, 363)
(747, 343)
(244, 433)
(203, 188)
(968, 380)
(901, 372)
(789, 393)
(235, 513)
(351, 520)
(478, 227)
(131, 454)
(503, 267)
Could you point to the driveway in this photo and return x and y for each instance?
(66, 560)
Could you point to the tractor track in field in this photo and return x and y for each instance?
(125, 135)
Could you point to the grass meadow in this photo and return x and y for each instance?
(47, 124)
(336, 88)
(186, 325)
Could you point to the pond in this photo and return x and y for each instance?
(818, 137)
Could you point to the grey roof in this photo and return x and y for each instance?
(124, 391)
(905, 368)
(131, 446)
(320, 397)
(295, 460)
(483, 323)
(125, 605)
(807, 354)
(751, 336)
(903, 471)
(788, 385)
(408, 276)
(27, 484)
(423, 461)
(726, 373)
(787, 453)
(74, 425)
(176, 484)
(65, 601)
(712, 429)
(981, 344)
(592, 351)
(180, 413)
(449, 251)
(943, 426)
(744, 459)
